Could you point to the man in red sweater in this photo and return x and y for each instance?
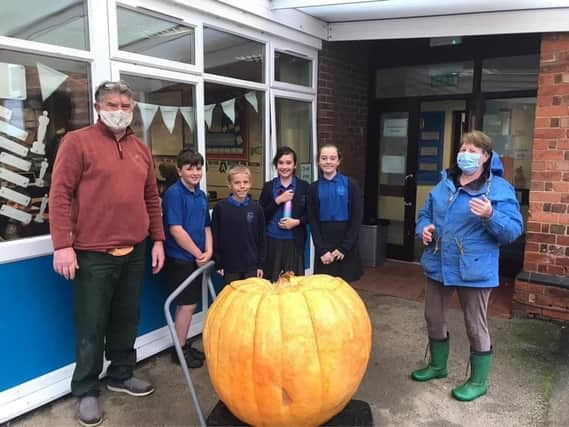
(103, 204)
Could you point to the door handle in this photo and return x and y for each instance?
(407, 204)
(408, 176)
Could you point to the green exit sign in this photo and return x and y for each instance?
(444, 80)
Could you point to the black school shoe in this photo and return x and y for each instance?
(191, 361)
(196, 353)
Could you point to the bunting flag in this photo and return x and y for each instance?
(169, 116)
(50, 80)
(251, 98)
(229, 109)
(188, 115)
(208, 113)
(147, 113)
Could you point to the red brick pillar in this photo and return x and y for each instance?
(343, 81)
(542, 289)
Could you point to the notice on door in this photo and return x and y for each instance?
(393, 164)
(395, 128)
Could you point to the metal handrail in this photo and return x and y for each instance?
(207, 285)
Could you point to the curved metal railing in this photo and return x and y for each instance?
(207, 286)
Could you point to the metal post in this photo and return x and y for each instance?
(207, 285)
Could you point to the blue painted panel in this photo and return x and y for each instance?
(431, 145)
(36, 318)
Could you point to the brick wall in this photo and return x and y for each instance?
(343, 78)
(541, 290)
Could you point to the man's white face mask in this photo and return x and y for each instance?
(117, 120)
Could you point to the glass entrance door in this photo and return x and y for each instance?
(396, 179)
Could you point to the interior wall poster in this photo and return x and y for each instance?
(431, 146)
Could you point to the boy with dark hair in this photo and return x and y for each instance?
(188, 243)
(238, 226)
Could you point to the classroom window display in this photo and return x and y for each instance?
(234, 120)
(41, 99)
(165, 119)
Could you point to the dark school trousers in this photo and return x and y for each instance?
(106, 296)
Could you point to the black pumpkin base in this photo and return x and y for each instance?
(356, 413)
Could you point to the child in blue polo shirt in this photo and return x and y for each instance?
(238, 227)
(188, 243)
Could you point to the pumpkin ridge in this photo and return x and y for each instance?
(286, 407)
(315, 334)
(253, 359)
(227, 311)
(214, 312)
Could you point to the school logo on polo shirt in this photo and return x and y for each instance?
(250, 217)
(340, 190)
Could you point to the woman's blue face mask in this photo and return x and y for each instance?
(468, 162)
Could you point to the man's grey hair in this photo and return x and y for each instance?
(112, 87)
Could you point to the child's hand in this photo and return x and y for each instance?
(338, 256)
(220, 271)
(259, 273)
(204, 258)
(327, 258)
(284, 197)
(288, 223)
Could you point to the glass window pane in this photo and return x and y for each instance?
(423, 80)
(41, 99)
(148, 35)
(164, 118)
(294, 129)
(510, 124)
(235, 126)
(510, 73)
(292, 69)
(59, 22)
(233, 56)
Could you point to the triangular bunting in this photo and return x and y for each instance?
(147, 112)
(169, 116)
(229, 109)
(208, 113)
(251, 98)
(50, 80)
(188, 115)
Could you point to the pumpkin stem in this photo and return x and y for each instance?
(284, 279)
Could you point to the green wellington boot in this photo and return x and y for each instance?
(437, 367)
(477, 384)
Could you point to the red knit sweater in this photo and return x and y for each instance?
(103, 192)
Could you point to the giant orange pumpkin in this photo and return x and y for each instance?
(290, 353)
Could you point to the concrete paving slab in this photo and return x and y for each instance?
(525, 382)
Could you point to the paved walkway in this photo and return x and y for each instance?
(529, 382)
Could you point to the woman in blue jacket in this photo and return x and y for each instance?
(468, 215)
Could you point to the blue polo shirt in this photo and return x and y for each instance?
(333, 198)
(188, 209)
(273, 229)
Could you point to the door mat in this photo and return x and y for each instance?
(356, 413)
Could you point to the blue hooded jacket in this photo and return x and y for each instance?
(465, 248)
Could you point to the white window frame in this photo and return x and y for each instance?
(107, 62)
(158, 10)
(279, 93)
(239, 32)
(294, 96)
(118, 68)
(301, 52)
(97, 58)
